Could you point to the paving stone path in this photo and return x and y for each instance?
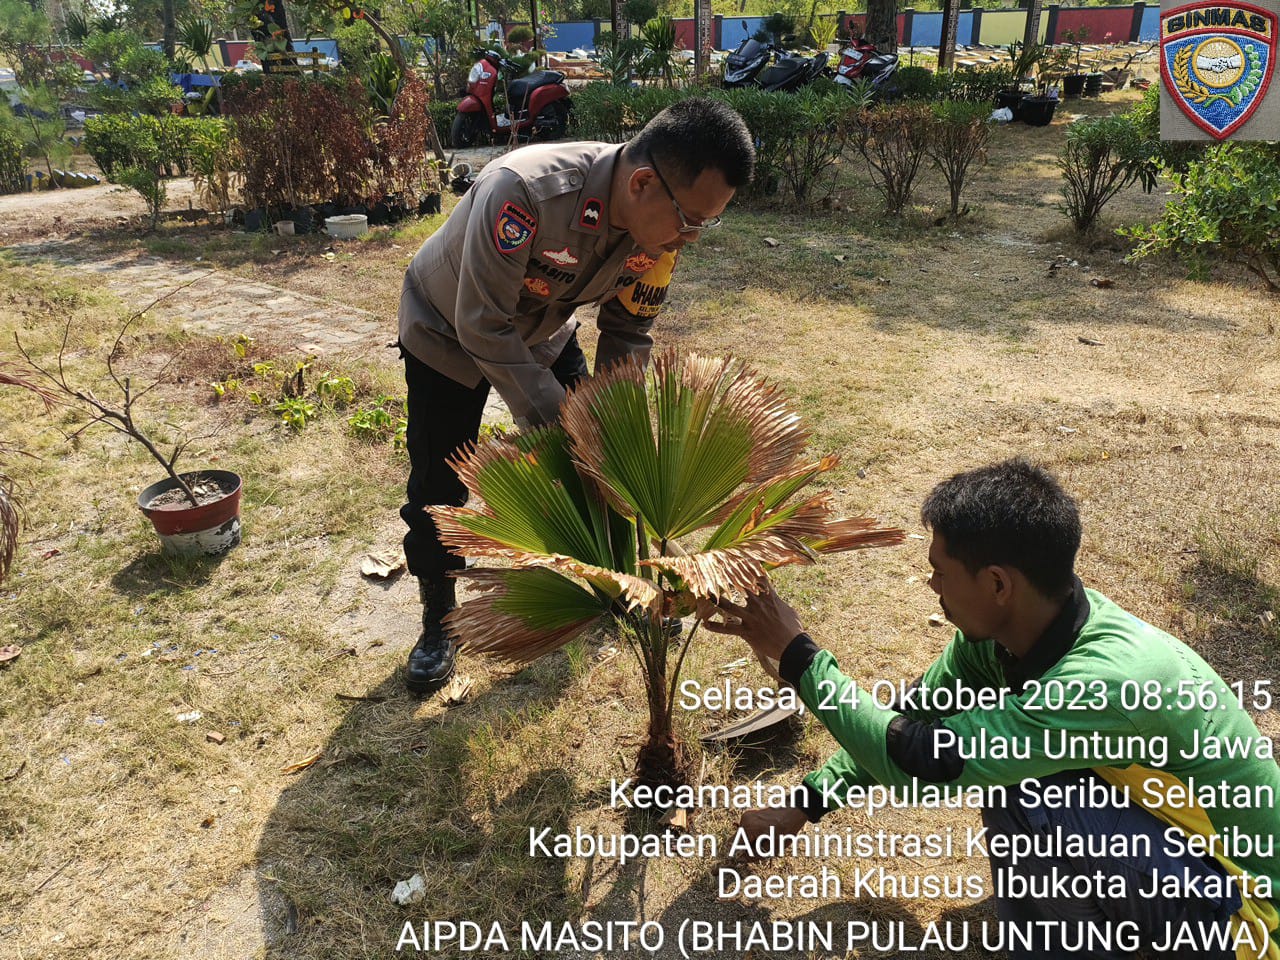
(238, 305)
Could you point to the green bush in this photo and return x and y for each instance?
(1102, 157)
(893, 140)
(915, 83)
(958, 138)
(116, 141)
(442, 114)
(602, 111)
(520, 34)
(12, 169)
(1173, 154)
(1226, 206)
(973, 85)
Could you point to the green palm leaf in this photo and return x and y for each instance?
(522, 614)
(674, 456)
(529, 500)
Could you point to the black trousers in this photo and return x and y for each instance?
(443, 415)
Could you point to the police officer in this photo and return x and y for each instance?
(489, 299)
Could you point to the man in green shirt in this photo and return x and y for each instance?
(1073, 720)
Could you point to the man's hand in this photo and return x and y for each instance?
(765, 621)
(772, 822)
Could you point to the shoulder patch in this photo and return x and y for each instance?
(591, 211)
(513, 228)
(1217, 61)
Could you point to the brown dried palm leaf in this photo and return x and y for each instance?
(856, 533)
(522, 614)
(797, 540)
(777, 489)
(634, 591)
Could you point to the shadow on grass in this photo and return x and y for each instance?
(1237, 611)
(158, 572)
(396, 794)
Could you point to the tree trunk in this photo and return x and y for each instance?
(170, 28)
(882, 24)
(661, 758)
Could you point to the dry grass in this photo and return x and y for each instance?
(130, 836)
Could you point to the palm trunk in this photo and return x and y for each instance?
(661, 760)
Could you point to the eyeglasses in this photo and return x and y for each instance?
(685, 225)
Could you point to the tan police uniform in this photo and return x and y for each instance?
(491, 294)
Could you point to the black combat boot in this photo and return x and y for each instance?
(431, 660)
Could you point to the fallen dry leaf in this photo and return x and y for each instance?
(457, 690)
(10, 651)
(382, 565)
(1089, 341)
(770, 242)
(302, 764)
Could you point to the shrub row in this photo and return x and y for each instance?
(117, 141)
(800, 136)
(12, 169)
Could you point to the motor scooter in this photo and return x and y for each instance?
(750, 66)
(537, 103)
(860, 60)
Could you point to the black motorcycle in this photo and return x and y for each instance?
(769, 67)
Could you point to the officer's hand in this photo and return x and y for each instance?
(772, 822)
(766, 621)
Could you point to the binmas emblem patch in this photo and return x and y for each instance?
(1216, 60)
(513, 228)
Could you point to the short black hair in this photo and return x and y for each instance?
(694, 135)
(1012, 513)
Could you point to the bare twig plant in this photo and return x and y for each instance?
(119, 415)
(10, 508)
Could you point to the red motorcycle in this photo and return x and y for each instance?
(537, 103)
(860, 60)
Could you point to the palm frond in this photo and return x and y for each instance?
(673, 455)
(523, 614)
(530, 500)
(795, 535)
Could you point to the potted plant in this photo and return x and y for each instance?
(1073, 82)
(195, 513)
(654, 491)
(1038, 108)
(1023, 60)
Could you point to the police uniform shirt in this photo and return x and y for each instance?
(491, 294)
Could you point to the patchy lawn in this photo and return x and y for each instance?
(928, 349)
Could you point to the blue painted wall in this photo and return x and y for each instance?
(573, 34)
(731, 31)
(1150, 30)
(926, 29)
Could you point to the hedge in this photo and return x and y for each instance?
(117, 141)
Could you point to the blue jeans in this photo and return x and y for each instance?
(1082, 906)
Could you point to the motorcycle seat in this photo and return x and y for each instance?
(521, 88)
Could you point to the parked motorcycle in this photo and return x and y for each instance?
(537, 103)
(860, 60)
(750, 66)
